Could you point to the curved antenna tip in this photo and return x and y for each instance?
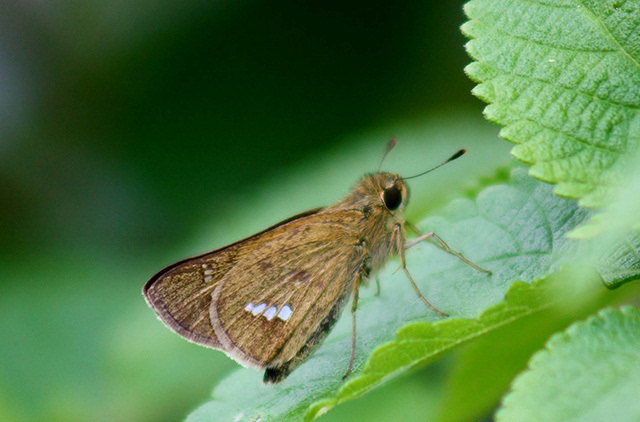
(456, 155)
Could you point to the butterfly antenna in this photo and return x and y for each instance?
(390, 145)
(455, 156)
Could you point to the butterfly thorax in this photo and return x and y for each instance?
(377, 221)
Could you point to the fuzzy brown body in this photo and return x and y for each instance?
(269, 300)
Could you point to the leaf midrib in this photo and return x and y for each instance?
(609, 34)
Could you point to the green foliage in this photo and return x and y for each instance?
(589, 372)
(621, 262)
(563, 78)
(98, 203)
(620, 216)
(422, 342)
(486, 367)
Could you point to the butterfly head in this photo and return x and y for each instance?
(393, 192)
(383, 192)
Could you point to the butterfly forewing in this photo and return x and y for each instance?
(272, 300)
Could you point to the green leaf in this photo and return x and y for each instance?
(621, 262)
(516, 230)
(484, 369)
(620, 217)
(420, 343)
(590, 372)
(563, 78)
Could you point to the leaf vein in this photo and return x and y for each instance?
(609, 34)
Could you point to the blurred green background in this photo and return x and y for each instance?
(133, 134)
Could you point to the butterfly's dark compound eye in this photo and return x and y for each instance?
(392, 198)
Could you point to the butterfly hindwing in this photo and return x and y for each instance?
(181, 295)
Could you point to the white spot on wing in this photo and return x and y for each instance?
(208, 278)
(208, 272)
(258, 309)
(249, 307)
(285, 312)
(270, 313)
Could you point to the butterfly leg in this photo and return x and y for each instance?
(442, 245)
(397, 234)
(354, 307)
(377, 286)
